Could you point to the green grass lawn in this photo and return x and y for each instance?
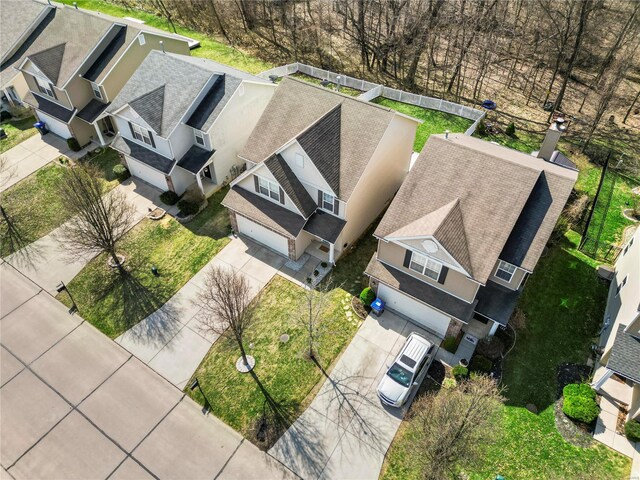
(282, 368)
(563, 303)
(114, 303)
(434, 120)
(522, 141)
(209, 48)
(17, 131)
(316, 81)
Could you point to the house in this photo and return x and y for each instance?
(321, 166)
(465, 230)
(76, 63)
(617, 375)
(182, 120)
(20, 23)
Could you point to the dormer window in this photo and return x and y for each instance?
(141, 134)
(505, 271)
(328, 202)
(269, 189)
(425, 266)
(199, 136)
(45, 87)
(96, 90)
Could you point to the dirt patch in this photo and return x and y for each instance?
(571, 373)
(359, 309)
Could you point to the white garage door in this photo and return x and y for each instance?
(263, 235)
(55, 126)
(148, 174)
(416, 311)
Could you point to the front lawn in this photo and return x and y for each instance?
(114, 303)
(563, 303)
(282, 368)
(17, 130)
(434, 121)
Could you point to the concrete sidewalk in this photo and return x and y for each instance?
(77, 405)
(346, 430)
(171, 340)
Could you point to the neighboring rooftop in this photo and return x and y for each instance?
(338, 132)
(625, 355)
(478, 198)
(17, 17)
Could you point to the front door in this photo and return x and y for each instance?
(108, 125)
(207, 172)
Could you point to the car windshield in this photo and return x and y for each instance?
(400, 375)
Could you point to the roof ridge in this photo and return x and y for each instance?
(453, 204)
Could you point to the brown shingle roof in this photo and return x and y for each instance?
(491, 185)
(296, 106)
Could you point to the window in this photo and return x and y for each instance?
(626, 249)
(328, 201)
(141, 39)
(269, 189)
(299, 160)
(425, 266)
(141, 134)
(199, 137)
(622, 284)
(45, 87)
(96, 90)
(505, 271)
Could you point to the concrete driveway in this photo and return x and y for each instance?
(346, 431)
(77, 405)
(171, 340)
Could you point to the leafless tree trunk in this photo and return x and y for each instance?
(310, 314)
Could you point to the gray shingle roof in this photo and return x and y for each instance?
(92, 110)
(213, 102)
(142, 154)
(47, 106)
(324, 225)
(49, 61)
(195, 159)
(625, 355)
(291, 185)
(150, 106)
(497, 302)
(420, 290)
(111, 53)
(16, 17)
(493, 184)
(296, 106)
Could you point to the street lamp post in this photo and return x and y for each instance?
(207, 405)
(63, 288)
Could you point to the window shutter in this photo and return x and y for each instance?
(39, 87)
(443, 274)
(336, 206)
(320, 198)
(131, 128)
(407, 258)
(53, 91)
(256, 184)
(153, 142)
(281, 195)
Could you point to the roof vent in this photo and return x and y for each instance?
(162, 46)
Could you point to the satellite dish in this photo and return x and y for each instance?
(430, 246)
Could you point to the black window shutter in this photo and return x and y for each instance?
(336, 206)
(256, 183)
(443, 274)
(40, 88)
(53, 91)
(407, 258)
(281, 196)
(153, 142)
(131, 128)
(320, 198)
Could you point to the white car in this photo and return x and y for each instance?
(407, 371)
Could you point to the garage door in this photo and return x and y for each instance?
(54, 125)
(148, 174)
(263, 235)
(416, 311)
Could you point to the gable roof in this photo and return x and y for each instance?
(150, 107)
(16, 18)
(299, 110)
(491, 186)
(625, 354)
(291, 185)
(49, 61)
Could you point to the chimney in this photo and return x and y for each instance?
(162, 46)
(551, 139)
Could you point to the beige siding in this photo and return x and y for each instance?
(518, 275)
(381, 179)
(456, 283)
(302, 242)
(80, 92)
(133, 57)
(33, 86)
(634, 407)
(83, 132)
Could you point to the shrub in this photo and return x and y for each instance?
(449, 383)
(450, 344)
(188, 207)
(459, 372)
(482, 128)
(73, 144)
(169, 197)
(632, 430)
(367, 296)
(490, 347)
(480, 363)
(4, 115)
(579, 390)
(121, 172)
(583, 409)
(511, 130)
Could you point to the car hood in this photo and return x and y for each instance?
(391, 389)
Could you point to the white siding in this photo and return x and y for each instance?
(56, 126)
(122, 124)
(181, 179)
(262, 171)
(146, 173)
(181, 140)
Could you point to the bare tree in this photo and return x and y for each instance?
(310, 314)
(99, 219)
(452, 427)
(226, 306)
(11, 233)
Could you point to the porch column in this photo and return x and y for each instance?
(199, 181)
(597, 385)
(331, 254)
(494, 329)
(97, 127)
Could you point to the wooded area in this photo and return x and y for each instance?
(580, 57)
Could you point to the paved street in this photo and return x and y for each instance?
(346, 431)
(77, 405)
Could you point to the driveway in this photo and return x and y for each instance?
(346, 431)
(77, 405)
(171, 340)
